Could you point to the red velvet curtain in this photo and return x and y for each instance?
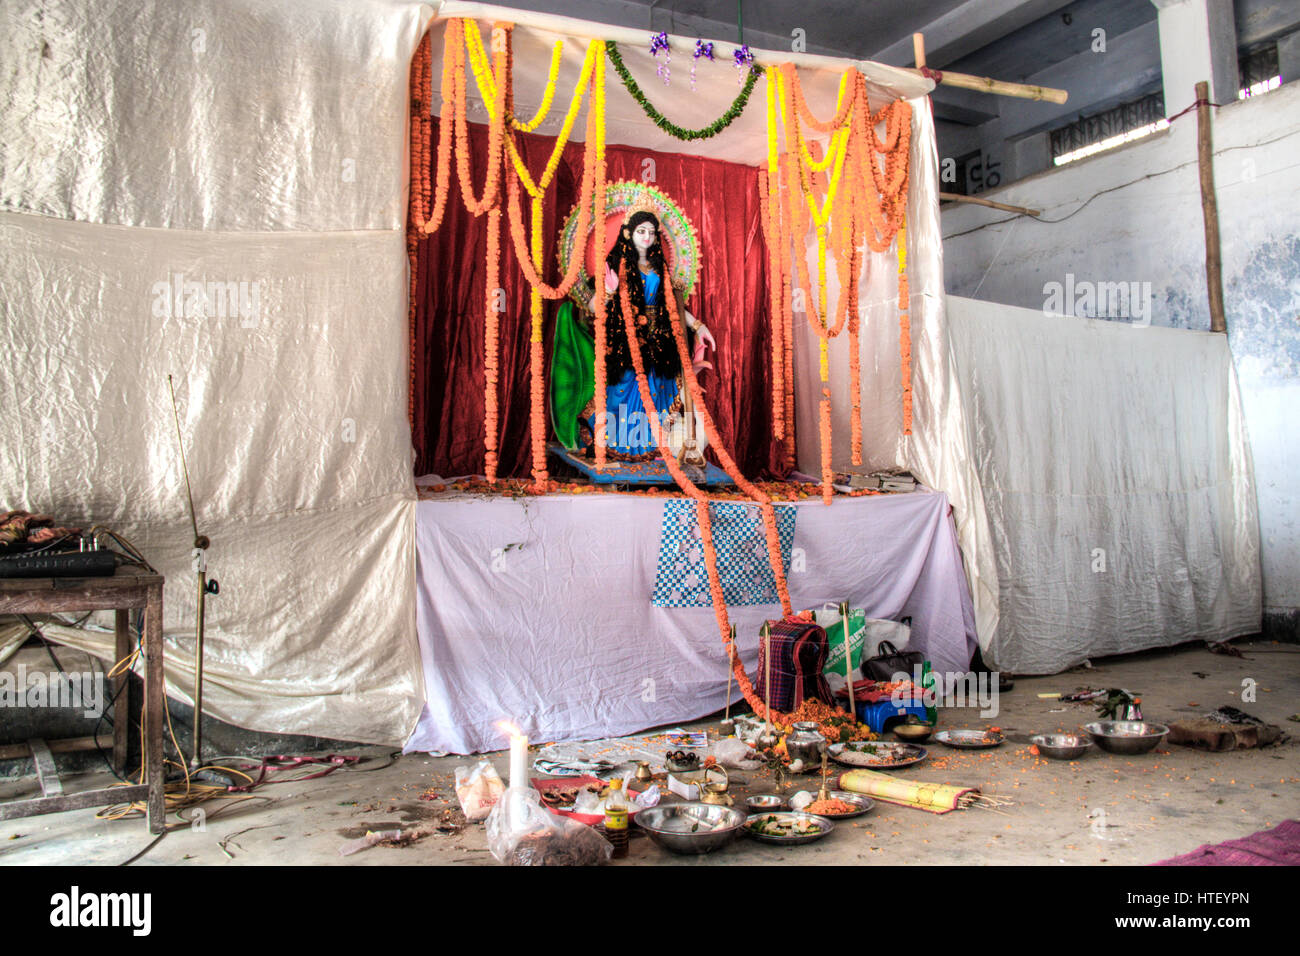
(721, 200)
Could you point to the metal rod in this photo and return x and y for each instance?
(180, 445)
(200, 545)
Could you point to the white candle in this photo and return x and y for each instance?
(518, 761)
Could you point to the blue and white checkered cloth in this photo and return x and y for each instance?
(682, 579)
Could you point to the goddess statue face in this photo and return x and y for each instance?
(643, 236)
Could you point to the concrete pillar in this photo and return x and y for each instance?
(1031, 154)
(1198, 41)
(1288, 57)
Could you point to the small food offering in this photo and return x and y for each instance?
(840, 804)
(789, 827)
(831, 808)
(878, 755)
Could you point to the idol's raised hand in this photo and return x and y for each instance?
(702, 334)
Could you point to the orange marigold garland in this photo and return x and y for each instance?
(904, 331)
(425, 220)
(772, 234)
(869, 215)
(496, 123)
(491, 360)
(693, 491)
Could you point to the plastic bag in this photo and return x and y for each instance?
(521, 832)
(731, 752)
(478, 789)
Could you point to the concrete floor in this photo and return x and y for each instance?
(1101, 809)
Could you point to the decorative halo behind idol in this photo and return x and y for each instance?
(681, 246)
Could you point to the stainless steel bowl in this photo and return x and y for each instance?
(1126, 736)
(765, 801)
(1061, 746)
(691, 827)
(913, 733)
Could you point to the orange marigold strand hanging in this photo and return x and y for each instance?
(496, 126)
(427, 221)
(701, 499)
(772, 235)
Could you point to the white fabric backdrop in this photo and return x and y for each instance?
(538, 610)
(938, 450)
(260, 143)
(263, 143)
(1097, 439)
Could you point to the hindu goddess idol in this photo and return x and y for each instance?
(639, 251)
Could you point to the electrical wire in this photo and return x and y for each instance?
(1102, 192)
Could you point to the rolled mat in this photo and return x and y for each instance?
(931, 797)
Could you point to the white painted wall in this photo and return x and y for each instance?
(1145, 225)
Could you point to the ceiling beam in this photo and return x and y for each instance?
(967, 28)
(966, 107)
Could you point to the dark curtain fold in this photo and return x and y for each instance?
(721, 200)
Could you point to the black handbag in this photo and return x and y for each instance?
(890, 661)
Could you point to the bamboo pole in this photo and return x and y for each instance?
(767, 679)
(982, 84)
(848, 649)
(1209, 209)
(1006, 207)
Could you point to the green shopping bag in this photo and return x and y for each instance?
(832, 622)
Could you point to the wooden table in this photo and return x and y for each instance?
(129, 589)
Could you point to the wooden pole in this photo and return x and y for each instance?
(767, 678)
(958, 197)
(983, 84)
(848, 649)
(1209, 209)
(726, 718)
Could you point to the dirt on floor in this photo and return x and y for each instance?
(1101, 809)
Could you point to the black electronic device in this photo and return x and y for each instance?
(98, 563)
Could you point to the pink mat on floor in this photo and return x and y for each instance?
(1279, 846)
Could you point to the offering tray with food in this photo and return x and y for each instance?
(581, 798)
(970, 739)
(789, 828)
(878, 755)
(841, 805)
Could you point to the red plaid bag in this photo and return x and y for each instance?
(799, 651)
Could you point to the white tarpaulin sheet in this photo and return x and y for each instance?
(258, 148)
(1118, 483)
(538, 610)
(236, 173)
(938, 450)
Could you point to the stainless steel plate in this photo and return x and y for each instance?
(903, 755)
(969, 739)
(864, 804)
(792, 816)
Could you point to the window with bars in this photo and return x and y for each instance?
(1112, 127)
(1258, 71)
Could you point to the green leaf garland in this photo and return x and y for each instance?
(713, 129)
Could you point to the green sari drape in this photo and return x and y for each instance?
(573, 373)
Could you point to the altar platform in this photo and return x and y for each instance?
(538, 610)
